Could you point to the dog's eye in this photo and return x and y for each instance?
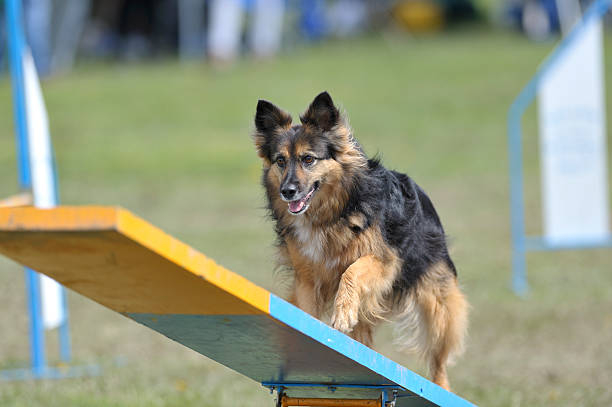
(280, 161)
(308, 160)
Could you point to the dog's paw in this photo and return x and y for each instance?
(345, 316)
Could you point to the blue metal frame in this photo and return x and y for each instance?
(520, 242)
(38, 358)
(384, 396)
(331, 387)
(16, 45)
(65, 343)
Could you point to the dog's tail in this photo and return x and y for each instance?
(432, 321)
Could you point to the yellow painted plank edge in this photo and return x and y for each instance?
(66, 218)
(176, 251)
(97, 218)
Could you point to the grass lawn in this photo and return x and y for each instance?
(171, 143)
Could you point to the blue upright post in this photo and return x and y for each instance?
(517, 215)
(16, 42)
(37, 331)
(64, 329)
(64, 333)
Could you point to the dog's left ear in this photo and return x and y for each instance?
(321, 113)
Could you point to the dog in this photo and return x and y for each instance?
(364, 243)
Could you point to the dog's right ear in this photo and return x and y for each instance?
(268, 120)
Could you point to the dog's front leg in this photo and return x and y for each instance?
(366, 279)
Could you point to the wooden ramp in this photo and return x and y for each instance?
(122, 262)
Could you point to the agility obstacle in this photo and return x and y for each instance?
(575, 210)
(124, 263)
(46, 299)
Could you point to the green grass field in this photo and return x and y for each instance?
(171, 143)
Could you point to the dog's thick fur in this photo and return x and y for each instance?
(364, 243)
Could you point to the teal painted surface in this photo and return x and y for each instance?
(290, 346)
(261, 348)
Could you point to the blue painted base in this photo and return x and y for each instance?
(543, 244)
(342, 391)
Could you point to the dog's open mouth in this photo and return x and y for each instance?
(299, 206)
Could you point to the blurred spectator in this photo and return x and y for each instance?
(434, 15)
(226, 24)
(537, 18)
(347, 17)
(37, 16)
(69, 18)
(224, 30)
(219, 29)
(191, 17)
(130, 29)
(267, 27)
(313, 19)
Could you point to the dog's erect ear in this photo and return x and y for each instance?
(321, 113)
(268, 119)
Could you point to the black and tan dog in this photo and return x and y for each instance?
(365, 243)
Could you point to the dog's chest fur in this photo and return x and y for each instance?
(312, 243)
(315, 256)
(321, 254)
(324, 247)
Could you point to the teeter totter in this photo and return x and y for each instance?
(124, 263)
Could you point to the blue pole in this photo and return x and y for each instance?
(517, 210)
(37, 333)
(16, 42)
(64, 332)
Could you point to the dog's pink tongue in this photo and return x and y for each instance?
(296, 206)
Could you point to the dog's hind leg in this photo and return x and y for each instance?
(362, 332)
(304, 297)
(434, 321)
(444, 309)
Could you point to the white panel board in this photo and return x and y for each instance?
(43, 182)
(573, 143)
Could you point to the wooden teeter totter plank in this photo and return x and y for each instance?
(124, 263)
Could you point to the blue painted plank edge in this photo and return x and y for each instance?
(319, 331)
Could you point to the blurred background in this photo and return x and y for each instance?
(151, 105)
(220, 31)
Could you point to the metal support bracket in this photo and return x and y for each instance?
(282, 400)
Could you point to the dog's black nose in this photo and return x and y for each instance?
(288, 191)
